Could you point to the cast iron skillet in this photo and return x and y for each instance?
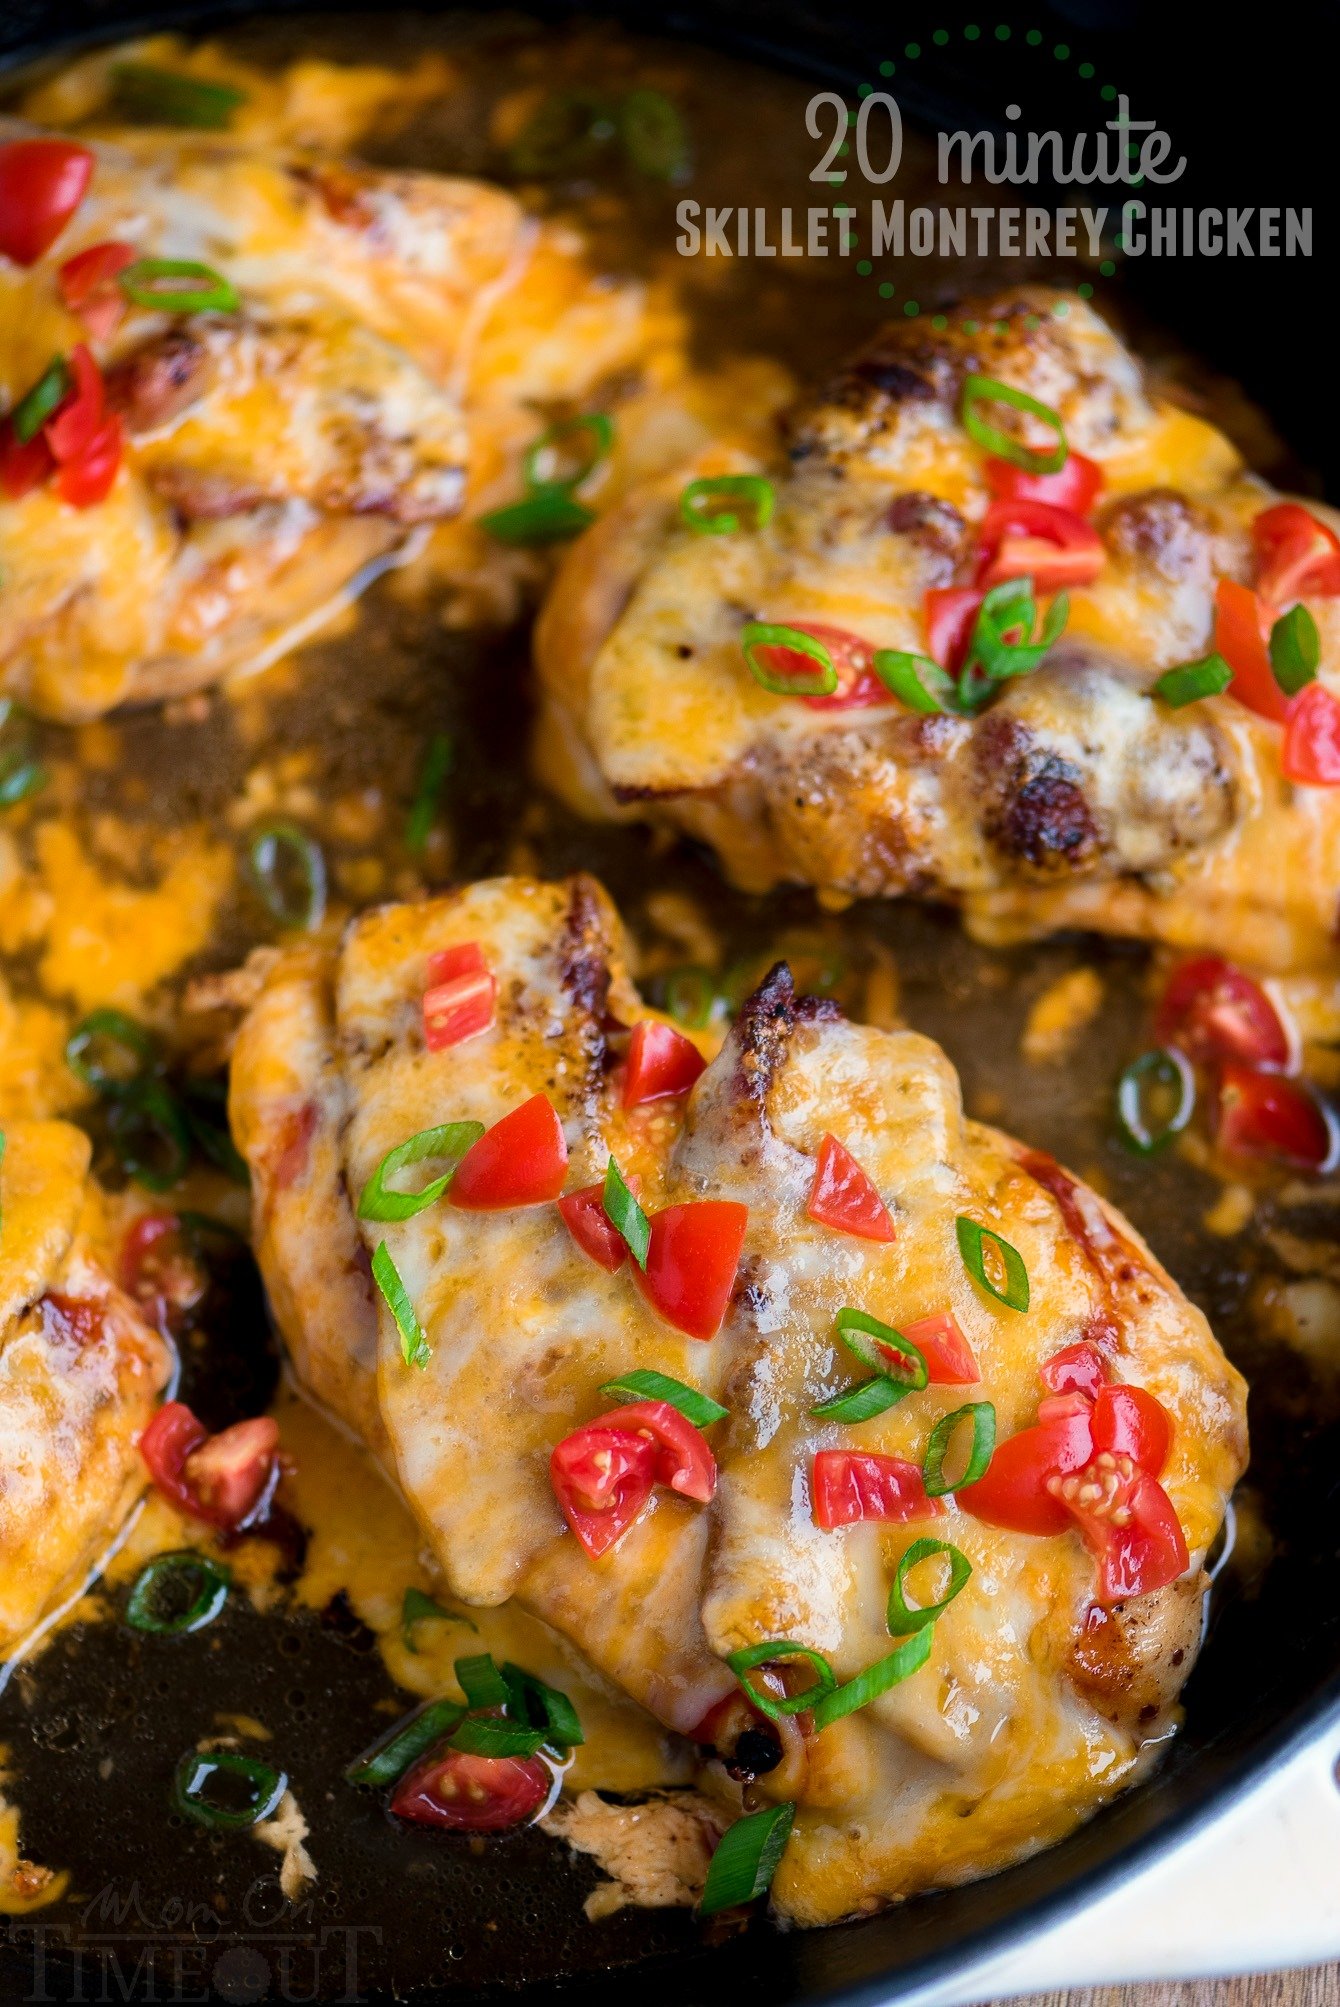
(1268, 1678)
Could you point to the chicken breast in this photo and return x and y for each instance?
(1076, 797)
(80, 1374)
(395, 341)
(1036, 1703)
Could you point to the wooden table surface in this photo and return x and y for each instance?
(1319, 1986)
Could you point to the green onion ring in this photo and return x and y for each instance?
(1295, 649)
(32, 411)
(625, 1215)
(480, 1681)
(542, 518)
(904, 1617)
(211, 293)
(211, 1137)
(204, 1581)
(700, 498)
(142, 1116)
(971, 1236)
(688, 994)
(485, 1735)
(645, 1385)
(449, 1143)
(531, 1701)
(386, 1760)
(192, 1779)
(749, 1656)
(757, 634)
(887, 1672)
(989, 390)
(269, 844)
(983, 1418)
(916, 681)
(653, 135)
(1190, 681)
(870, 1342)
(20, 777)
(566, 133)
(746, 1859)
(143, 92)
(417, 1606)
(862, 1403)
(600, 429)
(1166, 1070)
(414, 1347)
(423, 810)
(115, 1028)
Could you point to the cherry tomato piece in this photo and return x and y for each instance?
(88, 480)
(951, 612)
(461, 1793)
(1075, 488)
(229, 1474)
(42, 183)
(1298, 556)
(1014, 1492)
(602, 1478)
(586, 1220)
(1023, 539)
(459, 1009)
(165, 1445)
(661, 1062)
(948, 1355)
(842, 1196)
(1127, 1522)
(520, 1161)
(1311, 750)
(691, 1263)
(850, 1485)
(1242, 636)
(24, 465)
(88, 286)
(854, 661)
(1212, 1011)
(156, 1269)
(74, 424)
(1079, 1369)
(1131, 1422)
(684, 1463)
(1265, 1115)
(447, 963)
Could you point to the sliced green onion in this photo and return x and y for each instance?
(448, 1143)
(417, 1606)
(1156, 1097)
(485, 1735)
(102, 1028)
(1295, 649)
(595, 426)
(980, 390)
(644, 1385)
(423, 811)
(1190, 681)
(414, 1347)
(1010, 608)
(654, 136)
(150, 1134)
(746, 1859)
(288, 869)
(710, 506)
(387, 1759)
(540, 519)
(862, 1403)
(871, 1342)
(916, 681)
(688, 994)
(537, 1705)
(983, 1418)
(972, 1239)
(32, 411)
(899, 1665)
(565, 134)
(625, 1215)
(177, 1593)
(904, 1616)
(480, 1681)
(749, 1656)
(20, 777)
(150, 96)
(201, 1773)
(203, 1103)
(178, 286)
(756, 634)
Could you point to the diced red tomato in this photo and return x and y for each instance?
(74, 424)
(1023, 539)
(1079, 1369)
(1127, 1522)
(88, 480)
(1311, 750)
(684, 1463)
(586, 1220)
(220, 1479)
(842, 1196)
(520, 1161)
(88, 286)
(1015, 1489)
(461, 1793)
(850, 1485)
(42, 183)
(951, 612)
(602, 1478)
(661, 1062)
(24, 465)
(1131, 1422)
(156, 1269)
(948, 1355)
(692, 1261)
(1241, 636)
(462, 997)
(1298, 556)
(447, 963)
(1212, 1011)
(852, 658)
(1265, 1115)
(1075, 488)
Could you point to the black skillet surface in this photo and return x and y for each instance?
(163, 1911)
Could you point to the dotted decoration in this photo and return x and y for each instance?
(1003, 32)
